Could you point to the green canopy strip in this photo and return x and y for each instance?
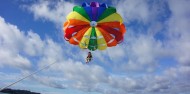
(107, 12)
(81, 11)
(93, 40)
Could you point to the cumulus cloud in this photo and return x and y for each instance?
(55, 12)
(133, 10)
(34, 45)
(50, 81)
(80, 76)
(179, 30)
(11, 40)
(163, 33)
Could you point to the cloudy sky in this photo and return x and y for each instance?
(153, 59)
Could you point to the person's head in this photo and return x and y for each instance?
(89, 52)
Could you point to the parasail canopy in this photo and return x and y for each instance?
(94, 26)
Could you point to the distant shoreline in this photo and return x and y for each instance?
(12, 91)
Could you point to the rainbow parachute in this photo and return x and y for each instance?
(94, 26)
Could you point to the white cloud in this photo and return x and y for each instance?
(52, 11)
(146, 49)
(52, 52)
(133, 10)
(33, 45)
(11, 40)
(82, 76)
(10, 35)
(142, 47)
(50, 81)
(179, 30)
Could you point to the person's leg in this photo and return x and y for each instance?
(87, 60)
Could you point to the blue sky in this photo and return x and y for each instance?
(153, 59)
